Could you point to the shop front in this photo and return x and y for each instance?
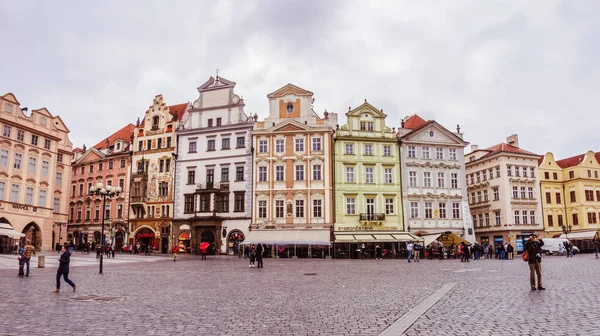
(146, 239)
(234, 242)
(362, 244)
(292, 243)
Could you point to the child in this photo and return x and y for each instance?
(252, 255)
(21, 262)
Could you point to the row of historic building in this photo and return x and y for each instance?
(206, 171)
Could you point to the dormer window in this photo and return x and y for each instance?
(155, 121)
(289, 108)
(118, 145)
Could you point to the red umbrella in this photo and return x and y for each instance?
(204, 246)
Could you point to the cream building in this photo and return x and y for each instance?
(503, 186)
(35, 157)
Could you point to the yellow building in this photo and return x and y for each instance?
(570, 192)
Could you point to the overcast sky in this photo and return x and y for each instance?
(494, 67)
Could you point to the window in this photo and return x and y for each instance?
(558, 200)
(100, 166)
(442, 210)
(20, 135)
(387, 151)
(91, 168)
(497, 171)
(387, 174)
(426, 179)
(414, 210)
(279, 209)
(210, 145)
(317, 208)
(389, 206)
(6, 131)
(598, 195)
(18, 161)
(222, 203)
(497, 217)
(571, 174)
(163, 188)
(575, 219)
(425, 152)
(485, 196)
(122, 164)
(239, 173)
(441, 179)
(524, 171)
(299, 145)
(3, 157)
(517, 218)
(591, 217)
(595, 174)
(73, 188)
(412, 178)
(508, 170)
(262, 174)
(439, 153)
(167, 165)
(559, 219)
(279, 173)
(58, 180)
(299, 173)
(363, 126)
(262, 146)
(110, 165)
(80, 189)
(412, 152)
(210, 123)
(316, 144)
(34, 139)
(204, 203)
(532, 217)
(480, 220)
(454, 181)
(122, 184)
(107, 211)
(42, 198)
(29, 195)
(550, 220)
(491, 174)
(546, 175)
(316, 172)
(370, 126)
(517, 172)
(140, 145)
(14, 193)
(428, 210)
(478, 177)
(32, 164)
(47, 144)
(523, 193)
(369, 175)
(192, 147)
(530, 191)
(97, 212)
(239, 201)
(368, 149)
(515, 193)
(452, 154)
(168, 142)
(225, 143)
(589, 195)
(224, 174)
(455, 210)
(219, 121)
(279, 145)
(2, 190)
(349, 174)
(349, 149)
(350, 206)
(573, 198)
(191, 178)
(240, 142)
(479, 199)
(299, 208)
(56, 205)
(161, 166)
(524, 217)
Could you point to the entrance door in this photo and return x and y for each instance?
(208, 236)
(164, 245)
(118, 241)
(370, 208)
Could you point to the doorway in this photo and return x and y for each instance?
(208, 236)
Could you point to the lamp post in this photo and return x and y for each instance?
(567, 230)
(104, 192)
(60, 224)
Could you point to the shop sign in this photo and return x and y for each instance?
(23, 207)
(368, 228)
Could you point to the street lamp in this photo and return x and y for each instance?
(100, 191)
(60, 224)
(566, 230)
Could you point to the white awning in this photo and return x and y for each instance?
(579, 235)
(289, 237)
(375, 236)
(7, 230)
(430, 238)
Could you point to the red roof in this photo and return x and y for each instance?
(506, 148)
(575, 160)
(176, 110)
(414, 122)
(77, 149)
(124, 133)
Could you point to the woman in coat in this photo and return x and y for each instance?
(63, 269)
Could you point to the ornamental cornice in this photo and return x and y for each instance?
(429, 164)
(299, 158)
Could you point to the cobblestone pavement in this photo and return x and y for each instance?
(222, 296)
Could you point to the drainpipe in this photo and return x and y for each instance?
(404, 223)
(333, 190)
(175, 157)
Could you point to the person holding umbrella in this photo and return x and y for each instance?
(203, 248)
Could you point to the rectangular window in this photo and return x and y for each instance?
(368, 149)
(191, 178)
(210, 123)
(161, 166)
(532, 217)
(559, 219)
(80, 189)
(597, 195)
(140, 145)
(299, 173)
(2, 190)
(299, 145)
(454, 181)
(485, 196)
(555, 176)
(387, 151)
(167, 165)
(524, 171)
(122, 184)
(45, 166)
(34, 139)
(517, 218)
(363, 126)
(479, 199)
(350, 206)
(524, 217)
(487, 219)
(18, 161)
(316, 144)
(497, 171)
(29, 195)
(412, 152)
(163, 189)
(550, 220)
(573, 198)
(589, 195)
(91, 168)
(530, 192)
(204, 203)
(6, 131)
(480, 220)
(219, 121)
(97, 212)
(349, 149)
(316, 172)
(239, 173)
(414, 210)
(452, 152)
(210, 145)
(455, 210)
(168, 142)
(42, 198)
(370, 126)
(508, 170)
(279, 173)
(317, 208)
(389, 206)
(32, 164)
(110, 165)
(222, 203)
(517, 172)
(427, 179)
(239, 201)
(428, 210)
(442, 210)
(387, 174)
(47, 144)
(159, 144)
(20, 135)
(262, 146)
(56, 205)
(439, 153)
(497, 218)
(369, 175)
(3, 157)
(224, 174)
(575, 219)
(523, 193)
(441, 179)
(591, 218)
(425, 152)
(262, 174)
(225, 143)
(349, 174)
(558, 199)
(299, 208)
(240, 142)
(192, 147)
(515, 193)
(571, 174)
(546, 175)
(279, 146)
(412, 178)
(279, 208)
(58, 180)
(532, 172)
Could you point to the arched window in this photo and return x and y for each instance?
(155, 122)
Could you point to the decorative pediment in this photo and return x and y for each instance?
(6, 142)
(432, 132)
(44, 183)
(31, 180)
(216, 83)
(289, 126)
(287, 89)
(17, 177)
(366, 107)
(19, 146)
(11, 98)
(5, 174)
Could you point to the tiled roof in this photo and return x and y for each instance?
(575, 160)
(176, 110)
(123, 134)
(506, 148)
(78, 150)
(414, 122)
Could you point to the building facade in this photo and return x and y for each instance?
(503, 186)
(571, 195)
(434, 191)
(35, 157)
(368, 190)
(152, 178)
(109, 163)
(213, 184)
(292, 179)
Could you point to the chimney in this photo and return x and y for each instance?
(474, 148)
(513, 140)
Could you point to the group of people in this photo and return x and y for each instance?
(107, 249)
(255, 254)
(26, 252)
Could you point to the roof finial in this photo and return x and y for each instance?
(457, 128)
(365, 100)
(217, 73)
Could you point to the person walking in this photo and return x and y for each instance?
(409, 249)
(534, 251)
(63, 269)
(260, 249)
(567, 247)
(362, 251)
(251, 255)
(416, 251)
(511, 251)
(378, 252)
(28, 251)
(486, 251)
(597, 244)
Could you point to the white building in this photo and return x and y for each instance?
(213, 184)
(434, 191)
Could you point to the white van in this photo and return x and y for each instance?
(551, 245)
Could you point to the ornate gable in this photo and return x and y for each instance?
(434, 133)
(287, 89)
(289, 125)
(216, 83)
(11, 98)
(366, 107)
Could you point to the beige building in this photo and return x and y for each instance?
(503, 186)
(35, 157)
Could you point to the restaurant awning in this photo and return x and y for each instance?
(446, 238)
(289, 237)
(7, 230)
(582, 235)
(375, 236)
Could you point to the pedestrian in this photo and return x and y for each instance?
(203, 251)
(486, 251)
(98, 251)
(112, 251)
(511, 251)
(416, 251)
(63, 269)
(378, 252)
(260, 249)
(597, 244)
(21, 262)
(467, 253)
(560, 249)
(534, 252)
(57, 247)
(28, 251)
(567, 245)
(362, 251)
(461, 250)
(409, 249)
(175, 250)
(252, 255)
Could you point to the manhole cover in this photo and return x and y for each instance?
(310, 273)
(83, 298)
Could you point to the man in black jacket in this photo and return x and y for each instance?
(533, 248)
(63, 269)
(260, 249)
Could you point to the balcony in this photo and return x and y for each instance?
(224, 186)
(138, 199)
(139, 173)
(208, 186)
(154, 128)
(371, 217)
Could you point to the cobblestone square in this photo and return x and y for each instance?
(223, 296)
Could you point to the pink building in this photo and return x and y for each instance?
(109, 163)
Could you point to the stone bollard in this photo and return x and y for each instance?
(41, 261)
